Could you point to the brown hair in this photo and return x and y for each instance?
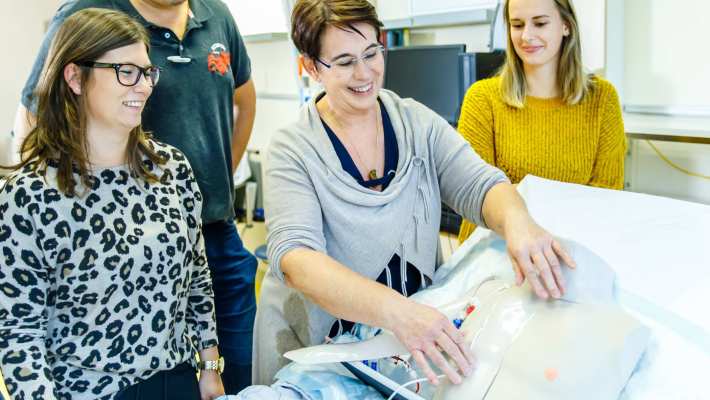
(59, 135)
(310, 18)
(572, 81)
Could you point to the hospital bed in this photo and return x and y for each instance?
(658, 249)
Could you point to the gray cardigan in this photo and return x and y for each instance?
(311, 202)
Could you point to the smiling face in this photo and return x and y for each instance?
(536, 30)
(111, 105)
(356, 68)
(162, 3)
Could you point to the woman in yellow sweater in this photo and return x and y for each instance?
(543, 115)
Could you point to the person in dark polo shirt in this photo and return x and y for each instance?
(205, 72)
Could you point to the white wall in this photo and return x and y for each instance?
(256, 17)
(667, 58)
(22, 27)
(666, 62)
(591, 17)
(274, 74)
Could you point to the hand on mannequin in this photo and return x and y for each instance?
(428, 334)
(536, 256)
(534, 252)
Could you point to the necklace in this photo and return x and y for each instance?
(371, 172)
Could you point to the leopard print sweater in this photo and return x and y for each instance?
(101, 291)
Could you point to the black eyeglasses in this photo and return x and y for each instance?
(128, 74)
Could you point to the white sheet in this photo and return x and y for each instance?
(660, 251)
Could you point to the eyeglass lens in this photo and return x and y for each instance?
(129, 75)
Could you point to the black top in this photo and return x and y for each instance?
(391, 275)
(191, 108)
(391, 154)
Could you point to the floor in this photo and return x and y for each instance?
(255, 235)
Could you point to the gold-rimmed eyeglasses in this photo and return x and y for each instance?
(345, 65)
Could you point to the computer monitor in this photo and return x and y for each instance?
(433, 75)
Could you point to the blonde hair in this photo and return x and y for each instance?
(572, 81)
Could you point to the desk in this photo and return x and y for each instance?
(667, 128)
(687, 140)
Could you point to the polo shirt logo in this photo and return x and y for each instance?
(218, 60)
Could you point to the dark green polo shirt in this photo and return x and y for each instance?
(191, 108)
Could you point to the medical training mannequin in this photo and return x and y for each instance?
(583, 346)
(543, 114)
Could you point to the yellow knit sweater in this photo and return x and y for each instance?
(584, 143)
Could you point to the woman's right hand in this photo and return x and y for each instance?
(428, 334)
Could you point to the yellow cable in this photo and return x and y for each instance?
(674, 165)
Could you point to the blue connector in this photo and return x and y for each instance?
(371, 363)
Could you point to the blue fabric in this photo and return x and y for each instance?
(391, 153)
(233, 271)
(260, 252)
(317, 382)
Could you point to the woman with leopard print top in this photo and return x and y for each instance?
(104, 287)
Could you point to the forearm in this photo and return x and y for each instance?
(209, 354)
(210, 381)
(503, 207)
(240, 139)
(245, 113)
(340, 291)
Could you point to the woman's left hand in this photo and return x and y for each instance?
(536, 257)
(210, 385)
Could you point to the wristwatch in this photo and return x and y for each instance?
(212, 365)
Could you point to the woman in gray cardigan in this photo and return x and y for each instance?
(352, 197)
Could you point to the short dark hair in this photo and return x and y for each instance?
(311, 17)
